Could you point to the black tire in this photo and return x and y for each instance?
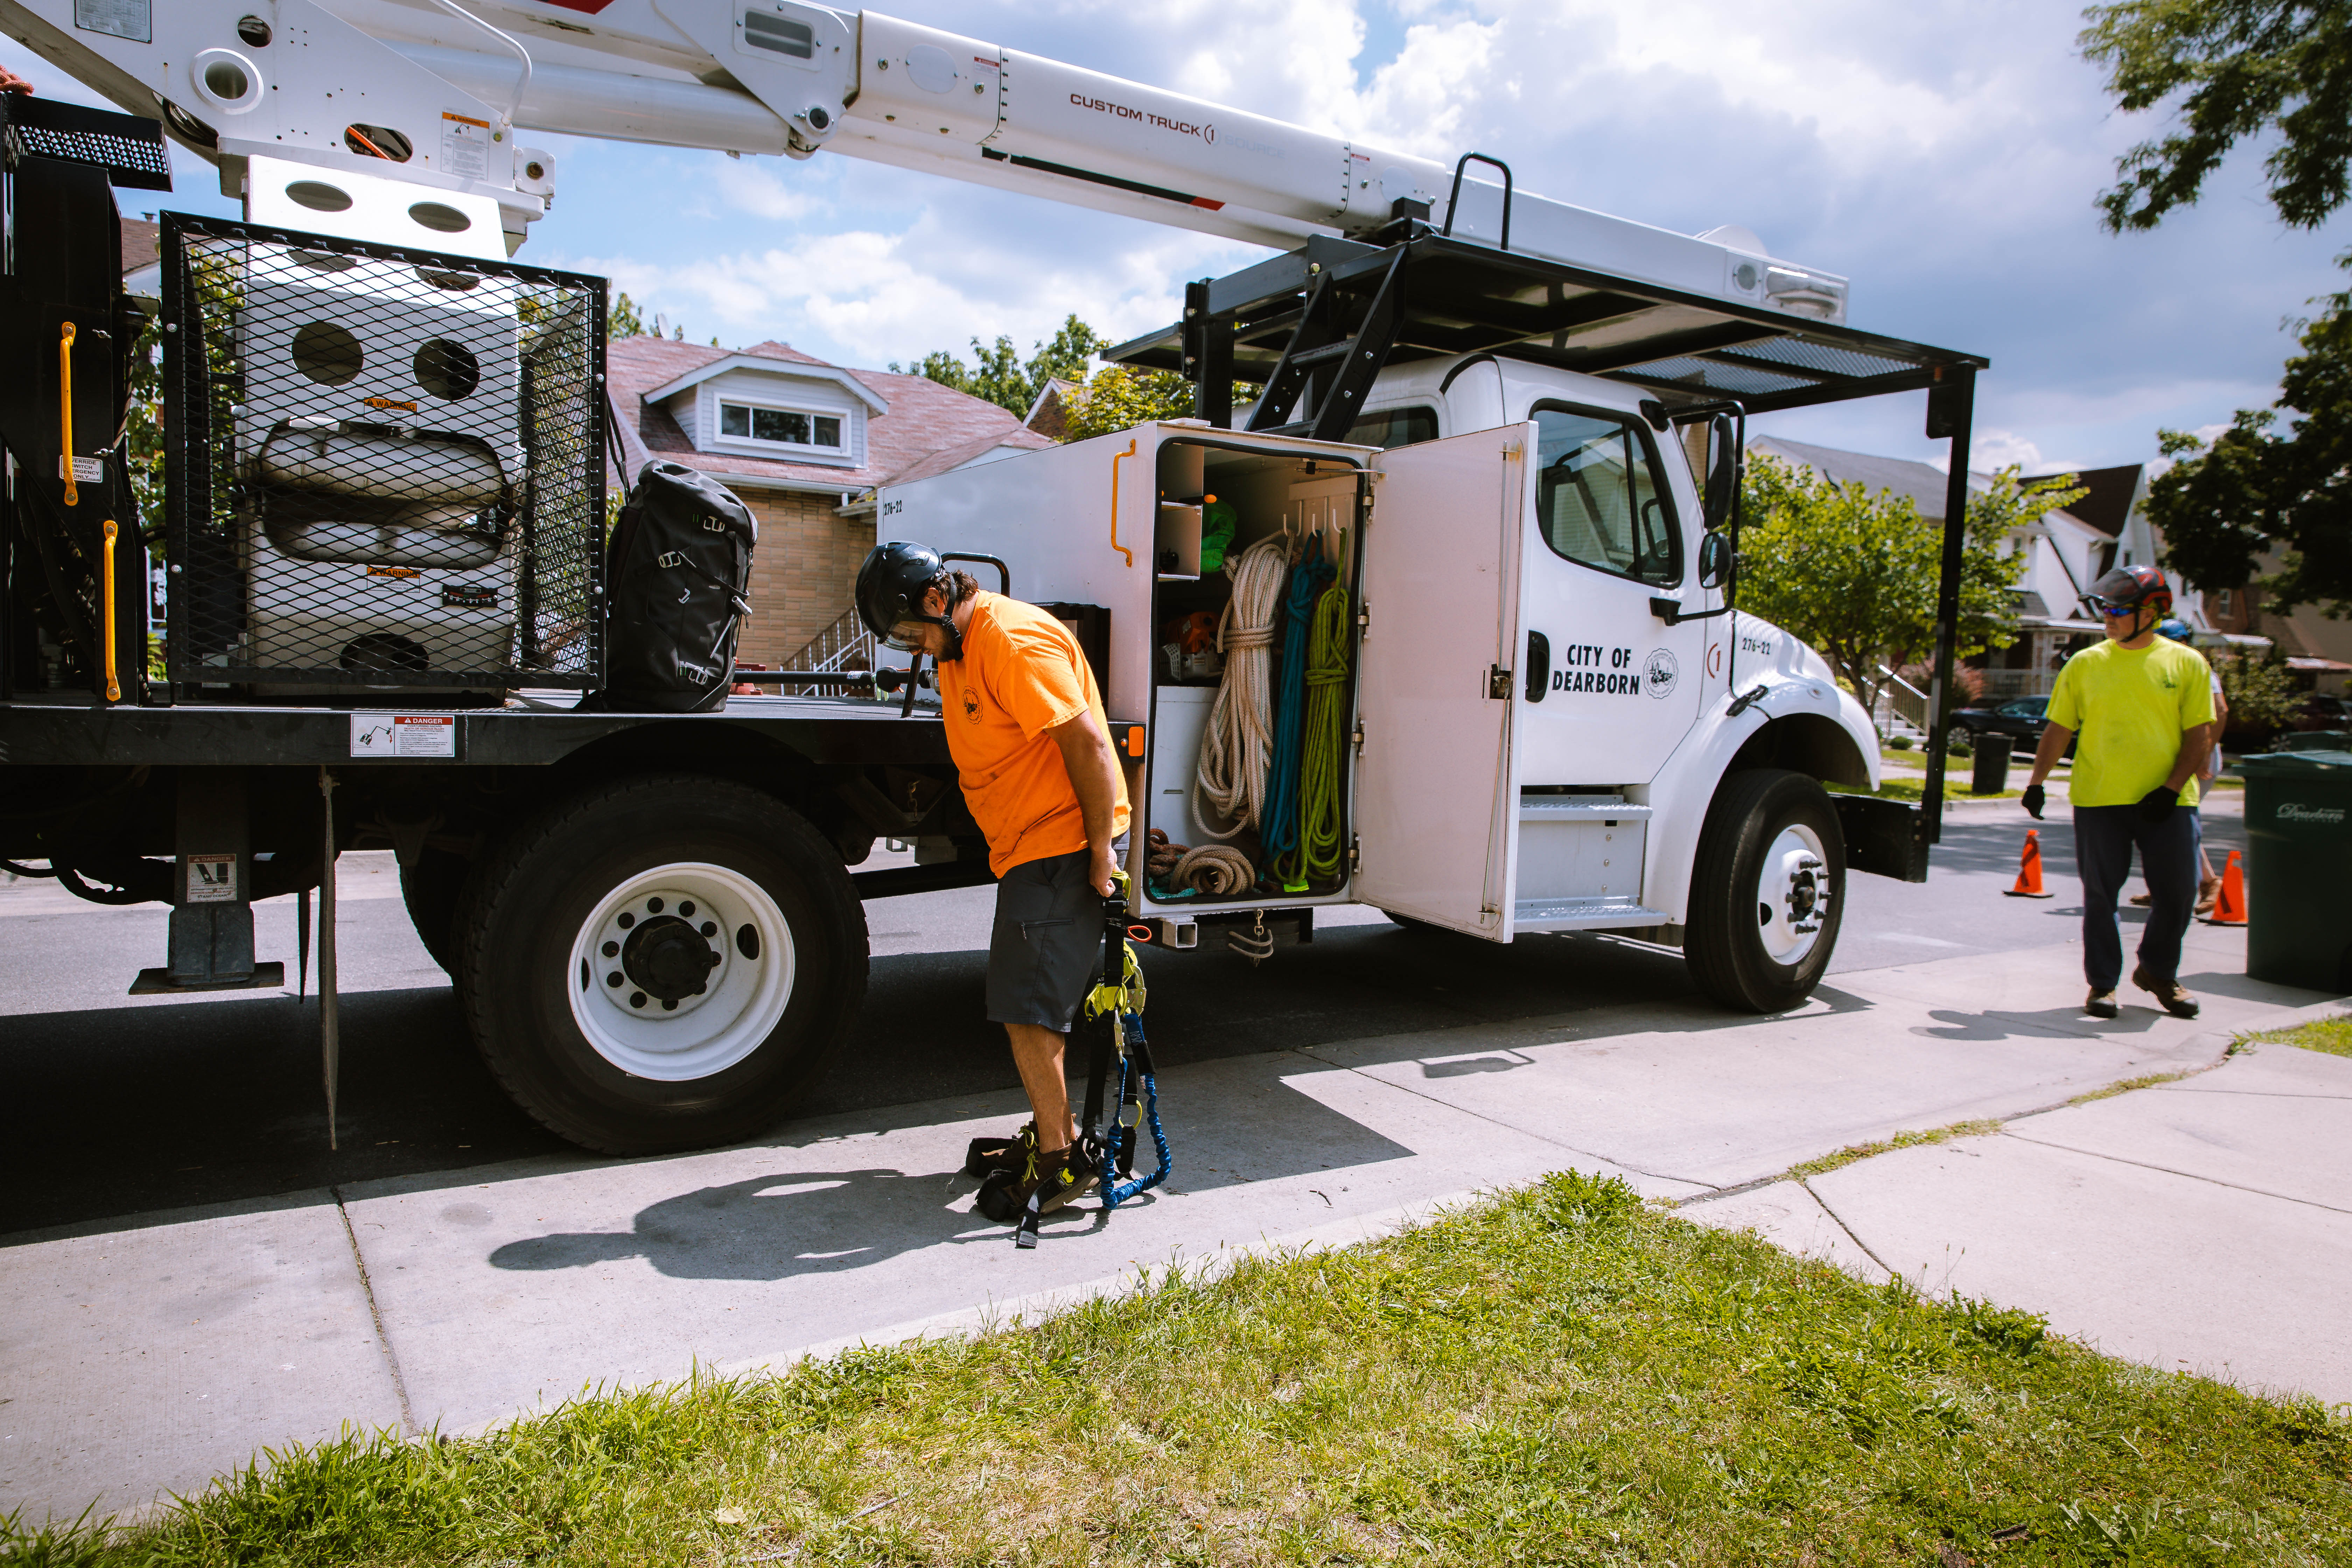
(431, 888)
(535, 897)
(1724, 940)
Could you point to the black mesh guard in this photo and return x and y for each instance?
(385, 468)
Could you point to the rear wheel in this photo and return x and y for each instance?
(663, 963)
(1767, 892)
(430, 889)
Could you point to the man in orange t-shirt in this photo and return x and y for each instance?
(1025, 726)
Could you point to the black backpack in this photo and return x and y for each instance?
(675, 579)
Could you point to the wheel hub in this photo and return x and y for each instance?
(681, 971)
(1792, 894)
(667, 959)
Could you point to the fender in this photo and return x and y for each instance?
(1804, 721)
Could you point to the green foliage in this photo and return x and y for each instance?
(1559, 1374)
(624, 320)
(1002, 377)
(1856, 574)
(144, 446)
(2257, 490)
(2261, 695)
(2235, 70)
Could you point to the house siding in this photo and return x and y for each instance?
(803, 393)
(803, 572)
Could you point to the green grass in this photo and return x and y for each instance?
(2332, 1036)
(1558, 1376)
(1853, 1151)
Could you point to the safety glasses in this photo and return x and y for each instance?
(2107, 608)
(906, 638)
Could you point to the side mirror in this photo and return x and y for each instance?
(1714, 560)
(1722, 471)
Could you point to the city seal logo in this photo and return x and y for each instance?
(971, 705)
(1659, 672)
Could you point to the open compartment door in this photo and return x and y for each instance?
(1434, 791)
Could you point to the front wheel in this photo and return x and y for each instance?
(663, 963)
(1767, 892)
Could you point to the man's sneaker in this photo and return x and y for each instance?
(2101, 1005)
(1058, 1178)
(2177, 1002)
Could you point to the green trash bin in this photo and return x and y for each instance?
(2299, 892)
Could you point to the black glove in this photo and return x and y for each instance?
(2157, 804)
(2032, 801)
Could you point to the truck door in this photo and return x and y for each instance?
(1434, 792)
(1611, 688)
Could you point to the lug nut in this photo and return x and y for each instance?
(614, 980)
(611, 950)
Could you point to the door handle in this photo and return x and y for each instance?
(1538, 666)
(1671, 612)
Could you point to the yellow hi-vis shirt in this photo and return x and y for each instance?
(2129, 709)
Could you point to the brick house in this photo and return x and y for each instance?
(804, 443)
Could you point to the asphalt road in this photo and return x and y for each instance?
(120, 1110)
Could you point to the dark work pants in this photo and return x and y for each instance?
(2104, 836)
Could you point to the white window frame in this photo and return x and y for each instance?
(846, 452)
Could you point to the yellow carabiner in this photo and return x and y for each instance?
(65, 407)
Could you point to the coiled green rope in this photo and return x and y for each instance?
(1319, 828)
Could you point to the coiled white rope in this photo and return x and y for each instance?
(1231, 771)
(1219, 870)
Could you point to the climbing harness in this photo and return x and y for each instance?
(1118, 997)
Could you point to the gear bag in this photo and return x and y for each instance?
(676, 576)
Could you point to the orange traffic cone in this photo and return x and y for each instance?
(2029, 871)
(2229, 908)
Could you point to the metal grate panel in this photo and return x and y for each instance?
(129, 148)
(385, 466)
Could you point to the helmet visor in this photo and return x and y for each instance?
(906, 637)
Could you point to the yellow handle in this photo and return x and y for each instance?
(1114, 544)
(113, 687)
(65, 406)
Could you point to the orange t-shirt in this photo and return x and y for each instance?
(1021, 675)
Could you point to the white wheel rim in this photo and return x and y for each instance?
(747, 983)
(1792, 895)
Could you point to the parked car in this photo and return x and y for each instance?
(2022, 719)
(2321, 712)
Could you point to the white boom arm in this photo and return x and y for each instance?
(432, 93)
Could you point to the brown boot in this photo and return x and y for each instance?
(2207, 893)
(2101, 1005)
(2177, 1002)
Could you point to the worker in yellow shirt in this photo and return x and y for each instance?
(2143, 710)
(1032, 748)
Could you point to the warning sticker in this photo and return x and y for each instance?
(212, 880)
(465, 146)
(404, 735)
(85, 470)
(131, 19)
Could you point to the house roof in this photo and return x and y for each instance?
(2108, 506)
(141, 244)
(803, 366)
(925, 422)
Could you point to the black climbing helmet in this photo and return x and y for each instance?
(890, 589)
(2130, 588)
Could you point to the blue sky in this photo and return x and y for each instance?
(1945, 157)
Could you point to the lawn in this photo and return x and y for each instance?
(2332, 1036)
(1559, 1374)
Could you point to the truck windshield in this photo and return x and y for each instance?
(1599, 497)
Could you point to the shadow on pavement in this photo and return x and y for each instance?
(117, 1112)
(1987, 1027)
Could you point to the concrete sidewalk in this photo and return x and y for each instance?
(2200, 1224)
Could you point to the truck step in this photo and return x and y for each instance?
(1581, 914)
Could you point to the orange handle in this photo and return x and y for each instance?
(113, 686)
(1114, 544)
(65, 407)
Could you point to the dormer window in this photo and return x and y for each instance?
(783, 426)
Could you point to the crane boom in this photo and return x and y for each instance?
(431, 93)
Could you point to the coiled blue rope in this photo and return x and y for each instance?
(1278, 825)
(1115, 1192)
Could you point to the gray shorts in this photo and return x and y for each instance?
(1046, 952)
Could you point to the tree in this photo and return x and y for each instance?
(2261, 693)
(2256, 491)
(1122, 395)
(1001, 377)
(624, 320)
(1856, 574)
(2244, 67)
